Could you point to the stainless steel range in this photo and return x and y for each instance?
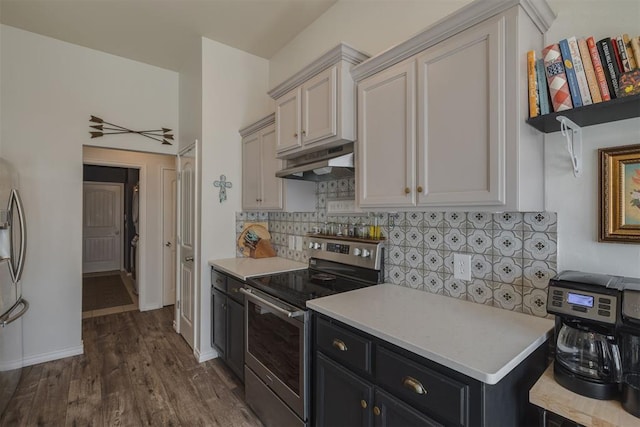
(277, 351)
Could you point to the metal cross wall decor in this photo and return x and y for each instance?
(223, 184)
(160, 135)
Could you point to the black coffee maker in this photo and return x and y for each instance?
(587, 357)
(629, 338)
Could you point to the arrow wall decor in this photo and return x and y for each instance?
(162, 135)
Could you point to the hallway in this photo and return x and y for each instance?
(135, 371)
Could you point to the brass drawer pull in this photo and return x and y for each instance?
(363, 403)
(407, 190)
(339, 344)
(376, 411)
(419, 189)
(414, 385)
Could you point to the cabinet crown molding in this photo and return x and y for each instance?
(254, 127)
(538, 11)
(342, 52)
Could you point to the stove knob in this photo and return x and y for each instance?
(316, 245)
(357, 251)
(310, 245)
(366, 253)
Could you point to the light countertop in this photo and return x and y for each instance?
(548, 394)
(250, 267)
(480, 341)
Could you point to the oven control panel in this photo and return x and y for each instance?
(362, 254)
(582, 304)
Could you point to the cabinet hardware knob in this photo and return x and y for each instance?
(376, 411)
(295, 135)
(304, 132)
(339, 344)
(188, 258)
(419, 189)
(407, 190)
(363, 403)
(414, 385)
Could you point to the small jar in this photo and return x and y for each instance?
(363, 232)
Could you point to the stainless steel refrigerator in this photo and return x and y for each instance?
(12, 305)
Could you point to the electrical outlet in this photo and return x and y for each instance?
(292, 242)
(462, 266)
(298, 243)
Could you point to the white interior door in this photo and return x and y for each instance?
(102, 224)
(187, 240)
(169, 236)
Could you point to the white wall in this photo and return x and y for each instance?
(234, 86)
(376, 26)
(151, 244)
(49, 90)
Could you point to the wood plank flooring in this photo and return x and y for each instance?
(135, 371)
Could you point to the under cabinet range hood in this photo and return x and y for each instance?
(325, 165)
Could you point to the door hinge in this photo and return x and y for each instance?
(178, 175)
(178, 304)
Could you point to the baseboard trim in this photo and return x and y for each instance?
(206, 355)
(53, 355)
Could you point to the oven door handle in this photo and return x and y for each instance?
(269, 304)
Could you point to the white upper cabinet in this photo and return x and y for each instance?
(316, 107)
(261, 189)
(444, 127)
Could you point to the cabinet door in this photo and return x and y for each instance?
(461, 118)
(271, 186)
(341, 398)
(386, 129)
(235, 337)
(251, 172)
(319, 107)
(288, 121)
(394, 413)
(219, 305)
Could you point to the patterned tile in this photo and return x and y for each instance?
(322, 201)
(297, 255)
(252, 216)
(536, 274)
(241, 216)
(396, 255)
(433, 238)
(434, 219)
(396, 275)
(322, 187)
(239, 226)
(534, 301)
(507, 270)
(414, 219)
(480, 291)
(263, 216)
(305, 257)
(455, 240)
(413, 258)
(275, 226)
(397, 237)
(448, 262)
(433, 283)
(455, 288)
(480, 220)
(272, 216)
(481, 267)
(480, 241)
(507, 221)
(507, 243)
(455, 219)
(546, 222)
(414, 237)
(433, 260)
(322, 216)
(352, 184)
(414, 278)
(540, 246)
(508, 297)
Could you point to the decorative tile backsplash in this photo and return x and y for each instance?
(513, 254)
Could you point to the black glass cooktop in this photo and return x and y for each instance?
(297, 287)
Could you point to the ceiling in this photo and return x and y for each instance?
(161, 32)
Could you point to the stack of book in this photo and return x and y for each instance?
(576, 72)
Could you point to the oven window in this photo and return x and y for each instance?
(276, 344)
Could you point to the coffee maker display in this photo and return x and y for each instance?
(587, 306)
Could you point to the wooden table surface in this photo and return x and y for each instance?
(548, 394)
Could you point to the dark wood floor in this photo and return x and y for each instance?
(135, 371)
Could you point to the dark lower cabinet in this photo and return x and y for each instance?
(393, 412)
(227, 329)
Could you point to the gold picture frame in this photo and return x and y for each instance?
(620, 194)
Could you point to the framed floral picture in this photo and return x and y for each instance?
(620, 194)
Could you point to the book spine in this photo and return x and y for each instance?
(635, 46)
(556, 78)
(578, 67)
(605, 48)
(622, 51)
(616, 54)
(543, 90)
(534, 109)
(598, 69)
(574, 89)
(587, 64)
(627, 45)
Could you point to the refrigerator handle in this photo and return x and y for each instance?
(7, 318)
(16, 269)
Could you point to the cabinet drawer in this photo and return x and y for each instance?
(423, 388)
(218, 280)
(233, 290)
(343, 345)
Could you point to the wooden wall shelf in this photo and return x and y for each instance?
(602, 112)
